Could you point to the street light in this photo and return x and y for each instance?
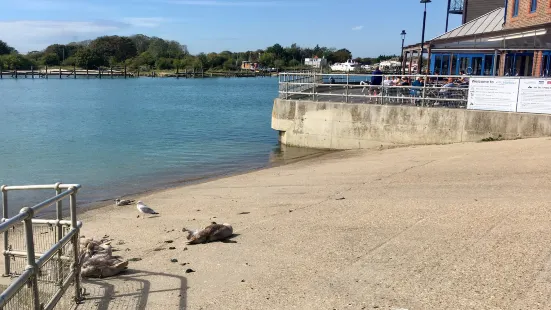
(403, 34)
(423, 35)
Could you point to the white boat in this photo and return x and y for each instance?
(347, 66)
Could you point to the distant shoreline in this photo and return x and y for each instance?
(112, 73)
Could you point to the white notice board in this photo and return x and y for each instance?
(493, 94)
(534, 96)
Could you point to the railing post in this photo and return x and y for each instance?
(347, 81)
(314, 88)
(59, 217)
(382, 94)
(286, 86)
(424, 88)
(6, 233)
(31, 260)
(76, 264)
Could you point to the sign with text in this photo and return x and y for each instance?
(493, 94)
(534, 96)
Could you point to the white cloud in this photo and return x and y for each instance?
(357, 28)
(224, 3)
(148, 22)
(28, 35)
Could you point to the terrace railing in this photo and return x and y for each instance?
(42, 256)
(356, 88)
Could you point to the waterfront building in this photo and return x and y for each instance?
(513, 38)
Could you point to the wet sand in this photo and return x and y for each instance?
(464, 226)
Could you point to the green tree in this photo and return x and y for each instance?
(6, 49)
(50, 59)
(197, 64)
(163, 64)
(341, 55)
(141, 42)
(294, 63)
(70, 61)
(16, 61)
(229, 65)
(121, 48)
(158, 48)
(267, 60)
(276, 49)
(88, 59)
(279, 63)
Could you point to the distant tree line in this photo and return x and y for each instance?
(152, 53)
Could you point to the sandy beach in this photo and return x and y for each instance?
(463, 226)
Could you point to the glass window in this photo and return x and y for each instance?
(510, 65)
(437, 64)
(445, 65)
(515, 7)
(464, 65)
(546, 66)
(454, 65)
(488, 64)
(476, 66)
(528, 64)
(533, 6)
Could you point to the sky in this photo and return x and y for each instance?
(367, 28)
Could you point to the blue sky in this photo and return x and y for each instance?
(365, 27)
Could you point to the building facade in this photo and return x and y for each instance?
(473, 9)
(315, 62)
(513, 40)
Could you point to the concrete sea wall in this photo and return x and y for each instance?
(329, 125)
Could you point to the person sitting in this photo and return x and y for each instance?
(416, 89)
(464, 79)
(447, 85)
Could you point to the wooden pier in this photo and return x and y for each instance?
(122, 73)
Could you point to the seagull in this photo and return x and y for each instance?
(123, 202)
(144, 209)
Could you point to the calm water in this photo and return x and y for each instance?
(119, 136)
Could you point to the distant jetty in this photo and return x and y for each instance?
(123, 73)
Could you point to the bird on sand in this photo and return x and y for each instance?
(144, 209)
(123, 202)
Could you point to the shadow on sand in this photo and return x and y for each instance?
(130, 290)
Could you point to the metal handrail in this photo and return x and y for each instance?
(296, 86)
(33, 264)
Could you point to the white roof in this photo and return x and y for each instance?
(487, 23)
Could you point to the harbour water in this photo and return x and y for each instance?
(119, 137)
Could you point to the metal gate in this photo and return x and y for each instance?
(40, 255)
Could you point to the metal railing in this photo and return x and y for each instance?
(430, 91)
(50, 249)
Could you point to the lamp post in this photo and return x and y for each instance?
(403, 35)
(423, 35)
